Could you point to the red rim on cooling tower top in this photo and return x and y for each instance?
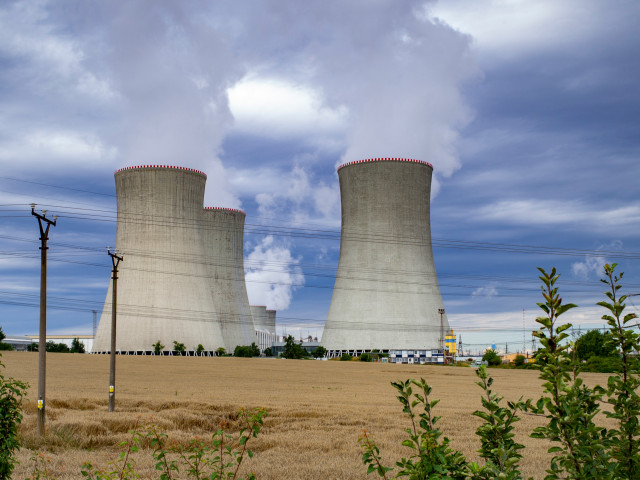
(161, 167)
(389, 159)
(226, 209)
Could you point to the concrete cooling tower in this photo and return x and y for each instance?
(223, 230)
(163, 288)
(386, 293)
(271, 321)
(260, 317)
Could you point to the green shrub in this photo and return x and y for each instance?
(519, 360)
(242, 351)
(12, 392)
(77, 346)
(602, 365)
(366, 357)
(319, 352)
(247, 351)
(581, 449)
(431, 455)
(6, 347)
(268, 352)
(491, 357)
(594, 344)
(57, 347)
(346, 357)
(622, 389)
(179, 347)
(293, 350)
(157, 347)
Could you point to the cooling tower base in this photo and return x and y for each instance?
(163, 353)
(427, 356)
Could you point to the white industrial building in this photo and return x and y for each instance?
(264, 322)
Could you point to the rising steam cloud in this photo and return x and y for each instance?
(147, 81)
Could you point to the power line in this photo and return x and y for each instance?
(324, 234)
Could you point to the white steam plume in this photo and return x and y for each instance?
(147, 81)
(396, 70)
(173, 71)
(272, 275)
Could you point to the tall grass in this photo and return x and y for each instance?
(317, 410)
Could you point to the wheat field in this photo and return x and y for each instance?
(316, 410)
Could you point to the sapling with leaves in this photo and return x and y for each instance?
(12, 392)
(498, 447)
(431, 453)
(622, 389)
(569, 406)
(431, 456)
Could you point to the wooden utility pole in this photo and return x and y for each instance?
(42, 342)
(115, 260)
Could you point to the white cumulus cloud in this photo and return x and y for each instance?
(272, 274)
(488, 291)
(593, 264)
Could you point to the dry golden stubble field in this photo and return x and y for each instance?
(317, 410)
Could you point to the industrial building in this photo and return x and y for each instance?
(386, 295)
(182, 276)
(264, 322)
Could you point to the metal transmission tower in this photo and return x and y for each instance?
(115, 260)
(42, 344)
(386, 293)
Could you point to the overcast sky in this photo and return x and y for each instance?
(528, 111)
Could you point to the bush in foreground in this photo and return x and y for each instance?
(581, 449)
(12, 392)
